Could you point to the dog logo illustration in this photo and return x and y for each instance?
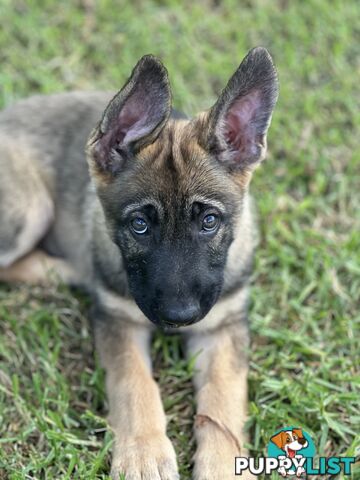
(292, 443)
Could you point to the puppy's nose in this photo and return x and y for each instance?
(178, 316)
(302, 440)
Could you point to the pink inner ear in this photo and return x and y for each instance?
(239, 128)
(132, 121)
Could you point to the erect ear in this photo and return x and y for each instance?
(239, 120)
(133, 118)
(279, 440)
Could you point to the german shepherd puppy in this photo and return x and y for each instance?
(162, 234)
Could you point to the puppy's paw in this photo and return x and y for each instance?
(145, 458)
(217, 464)
(216, 452)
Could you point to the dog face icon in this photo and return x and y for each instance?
(291, 441)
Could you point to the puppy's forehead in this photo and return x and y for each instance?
(176, 165)
(176, 149)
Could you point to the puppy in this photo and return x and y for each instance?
(156, 222)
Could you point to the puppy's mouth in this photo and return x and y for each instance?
(173, 326)
(291, 452)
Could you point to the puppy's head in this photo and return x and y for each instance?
(291, 441)
(172, 191)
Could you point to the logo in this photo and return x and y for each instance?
(291, 452)
(291, 446)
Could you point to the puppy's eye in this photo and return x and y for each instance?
(139, 226)
(210, 222)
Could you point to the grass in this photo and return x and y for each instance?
(305, 309)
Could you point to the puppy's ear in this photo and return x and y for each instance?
(133, 118)
(239, 120)
(298, 432)
(278, 439)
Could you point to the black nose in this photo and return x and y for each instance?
(178, 316)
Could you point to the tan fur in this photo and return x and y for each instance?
(122, 308)
(221, 385)
(142, 449)
(29, 201)
(39, 214)
(39, 268)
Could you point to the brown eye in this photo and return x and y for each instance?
(139, 226)
(210, 222)
(288, 439)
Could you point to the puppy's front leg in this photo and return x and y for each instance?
(221, 385)
(141, 449)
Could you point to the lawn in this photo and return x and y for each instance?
(305, 315)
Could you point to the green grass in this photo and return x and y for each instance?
(305, 310)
